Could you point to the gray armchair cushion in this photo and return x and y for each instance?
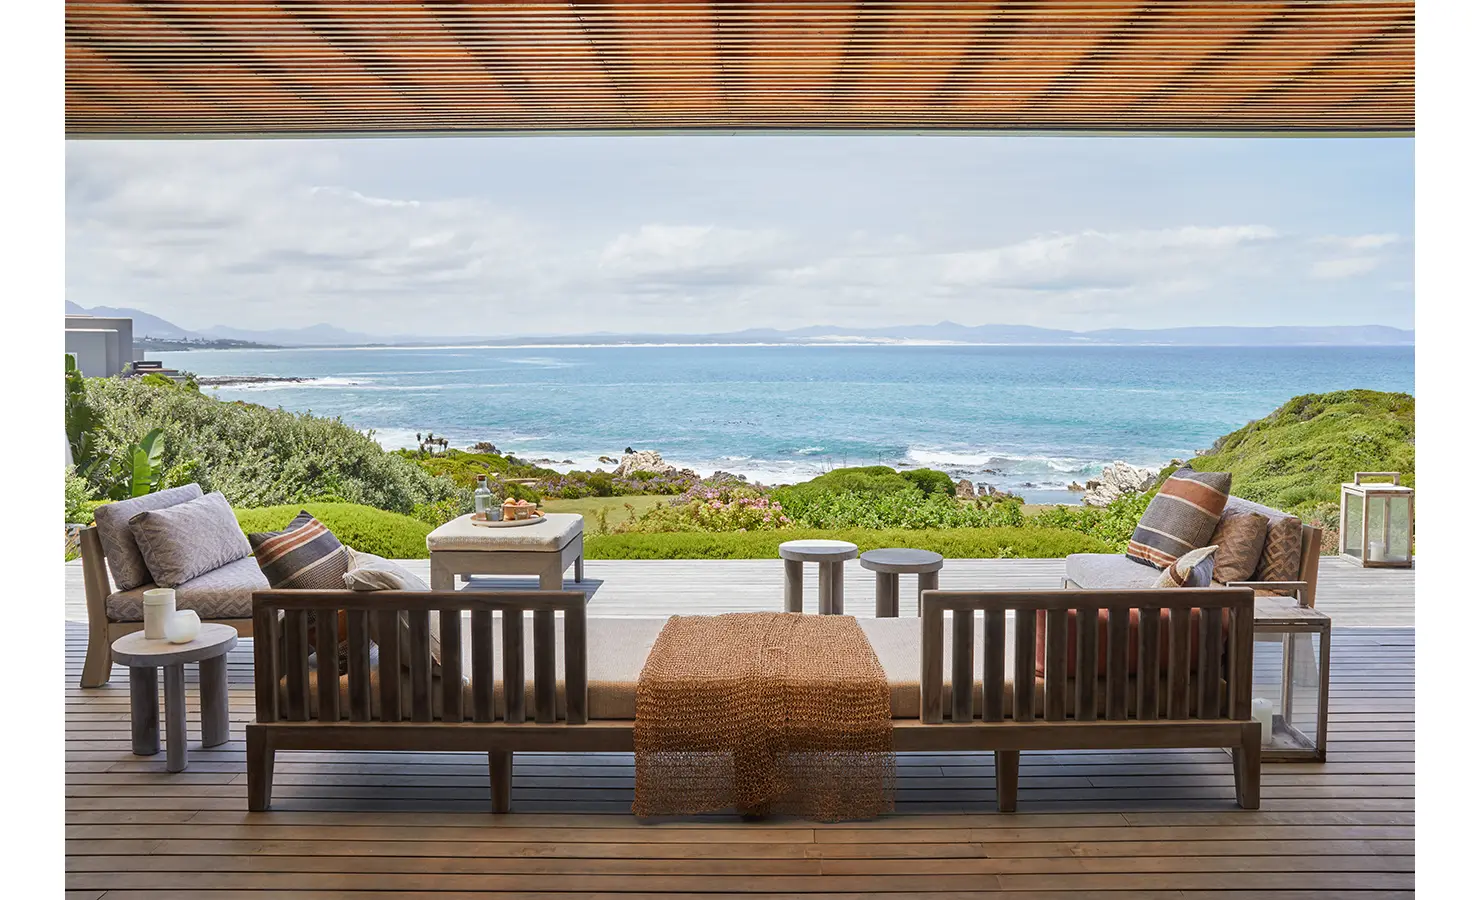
(1109, 571)
(124, 560)
(184, 541)
(224, 593)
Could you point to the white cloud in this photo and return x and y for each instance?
(293, 233)
(1344, 268)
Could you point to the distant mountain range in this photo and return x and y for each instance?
(323, 335)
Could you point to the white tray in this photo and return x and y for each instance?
(517, 522)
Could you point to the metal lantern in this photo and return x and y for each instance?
(1377, 520)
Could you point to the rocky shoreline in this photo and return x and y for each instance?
(238, 380)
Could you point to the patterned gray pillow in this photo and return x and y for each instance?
(368, 572)
(189, 539)
(124, 559)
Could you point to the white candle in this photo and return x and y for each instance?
(159, 606)
(182, 627)
(1264, 715)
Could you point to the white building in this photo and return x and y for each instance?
(102, 345)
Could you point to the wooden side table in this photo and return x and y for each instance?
(829, 556)
(1290, 621)
(145, 658)
(888, 564)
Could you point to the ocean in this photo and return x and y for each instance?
(1030, 420)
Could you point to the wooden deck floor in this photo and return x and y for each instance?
(1350, 594)
(1091, 824)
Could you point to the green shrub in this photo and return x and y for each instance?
(464, 467)
(1111, 524)
(257, 456)
(1297, 457)
(78, 495)
(955, 543)
(736, 507)
(930, 481)
(364, 528)
(855, 479)
(895, 509)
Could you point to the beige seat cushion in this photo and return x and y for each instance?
(1109, 572)
(224, 593)
(557, 530)
(617, 648)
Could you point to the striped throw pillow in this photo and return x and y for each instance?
(303, 555)
(306, 555)
(1180, 518)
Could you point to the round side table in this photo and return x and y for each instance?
(888, 564)
(829, 556)
(144, 658)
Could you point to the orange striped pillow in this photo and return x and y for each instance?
(1181, 517)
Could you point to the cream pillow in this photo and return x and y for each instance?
(1191, 570)
(368, 572)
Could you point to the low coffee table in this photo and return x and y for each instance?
(545, 549)
(829, 556)
(145, 658)
(888, 564)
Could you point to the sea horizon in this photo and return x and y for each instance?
(1029, 419)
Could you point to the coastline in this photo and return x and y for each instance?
(1024, 420)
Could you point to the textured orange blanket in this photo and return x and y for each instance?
(764, 713)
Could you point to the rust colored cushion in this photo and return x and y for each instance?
(1132, 654)
(1280, 560)
(1240, 541)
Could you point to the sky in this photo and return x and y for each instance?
(670, 234)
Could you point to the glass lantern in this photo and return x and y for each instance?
(1292, 682)
(1377, 520)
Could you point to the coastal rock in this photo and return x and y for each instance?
(607, 460)
(1076, 487)
(964, 490)
(642, 461)
(1117, 479)
(484, 447)
(984, 490)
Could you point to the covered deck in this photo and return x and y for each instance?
(1140, 823)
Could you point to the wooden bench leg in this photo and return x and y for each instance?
(1246, 760)
(1007, 779)
(259, 769)
(500, 778)
(97, 668)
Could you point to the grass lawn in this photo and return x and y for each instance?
(614, 507)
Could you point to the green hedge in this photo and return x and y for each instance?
(954, 543)
(364, 528)
(260, 457)
(1297, 457)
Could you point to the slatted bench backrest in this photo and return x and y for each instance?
(281, 655)
(1220, 688)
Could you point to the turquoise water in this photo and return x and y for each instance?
(1026, 419)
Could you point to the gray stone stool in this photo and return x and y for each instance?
(829, 556)
(888, 564)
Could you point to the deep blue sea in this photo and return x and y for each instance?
(1025, 419)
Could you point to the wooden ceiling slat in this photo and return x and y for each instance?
(377, 66)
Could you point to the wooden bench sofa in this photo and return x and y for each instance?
(553, 679)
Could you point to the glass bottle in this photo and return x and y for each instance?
(482, 498)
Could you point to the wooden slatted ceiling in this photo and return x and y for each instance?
(231, 67)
